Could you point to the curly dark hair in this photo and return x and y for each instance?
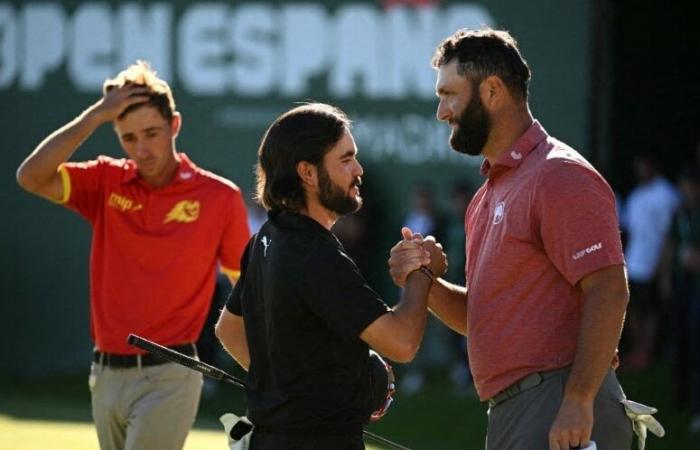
(486, 52)
(305, 133)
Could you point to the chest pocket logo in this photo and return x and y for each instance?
(123, 203)
(184, 211)
(498, 212)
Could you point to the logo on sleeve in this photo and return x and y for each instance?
(586, 251)
(122, 203)
(266, 243)
(184, 211)
(498, 212)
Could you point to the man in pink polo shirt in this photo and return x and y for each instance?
(546, 287)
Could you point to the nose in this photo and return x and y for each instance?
(358, 169)
(141, 149)
(443, 112)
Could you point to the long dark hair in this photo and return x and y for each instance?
(305, 133)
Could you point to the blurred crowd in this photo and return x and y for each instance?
(660, 220)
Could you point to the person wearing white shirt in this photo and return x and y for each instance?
(646, 217)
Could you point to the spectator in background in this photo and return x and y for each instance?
(425, 217)
(684, 246)
(161, 227)
(461, 192)
(647, 218)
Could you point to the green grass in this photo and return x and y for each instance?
(54, 412)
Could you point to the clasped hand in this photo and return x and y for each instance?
(414, 251)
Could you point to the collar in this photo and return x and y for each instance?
(515, 155)
(296, 221)
(186, 171)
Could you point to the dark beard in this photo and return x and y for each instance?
(473, 128)
(332, 196)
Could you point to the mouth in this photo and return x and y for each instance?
(146, 163)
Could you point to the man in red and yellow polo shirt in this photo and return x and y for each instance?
(161, 228)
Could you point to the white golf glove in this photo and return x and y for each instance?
(242, 429)
(641, 417)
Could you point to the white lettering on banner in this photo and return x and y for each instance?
(250, 49)
(357, 58)
(304, 29)
(146, 34)
(43, 49)
(202, 51)
(413, 34)
(254, 55)
(408, 138)
(92, 49)
(8, 42)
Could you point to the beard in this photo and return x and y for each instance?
(332, 196)
(473, 127)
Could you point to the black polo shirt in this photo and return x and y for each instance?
(304, 304)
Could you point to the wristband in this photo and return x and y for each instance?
(427, 272)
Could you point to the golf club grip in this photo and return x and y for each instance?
(184, 360)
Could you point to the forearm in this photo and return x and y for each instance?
(448, 302)
(397, 334)
(40, 167)
(412, 310)
(230, 330)
(601, 326)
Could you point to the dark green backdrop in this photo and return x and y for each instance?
(51, 53)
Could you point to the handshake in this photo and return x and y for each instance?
(413, 253)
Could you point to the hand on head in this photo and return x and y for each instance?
(118, 99)
(413, 252)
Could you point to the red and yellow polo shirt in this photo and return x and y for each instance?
(155, 252)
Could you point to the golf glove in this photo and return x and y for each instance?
(238, 431)
(641, 417)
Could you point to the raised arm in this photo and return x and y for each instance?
(447, 301)
(398, 334)
(39, 173)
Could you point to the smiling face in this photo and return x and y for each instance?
(461, 107)
(149, 139)
(339, 177)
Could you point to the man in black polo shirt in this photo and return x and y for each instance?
(301, 318)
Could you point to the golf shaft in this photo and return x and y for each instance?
(171, 355)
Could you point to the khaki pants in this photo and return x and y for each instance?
(523, 422)
(151, 408)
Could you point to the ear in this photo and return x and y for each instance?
(493, 91)
(307, 173)
(175, 124)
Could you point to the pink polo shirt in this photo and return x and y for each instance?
(544, 219)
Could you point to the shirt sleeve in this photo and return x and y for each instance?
(233, 304)
(577, 219)
(338, 294)
(83, 186)
(235, 237)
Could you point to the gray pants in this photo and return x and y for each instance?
(523, 422)
(144, 409)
